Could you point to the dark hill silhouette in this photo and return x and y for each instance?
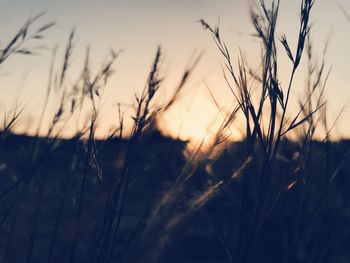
(48, 201)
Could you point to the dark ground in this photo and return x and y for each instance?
(40, 191)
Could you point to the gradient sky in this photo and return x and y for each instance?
(139, 26)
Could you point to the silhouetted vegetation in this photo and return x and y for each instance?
(279, 195)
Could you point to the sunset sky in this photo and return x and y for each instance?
(138, 26)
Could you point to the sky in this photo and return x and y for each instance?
(137, 27)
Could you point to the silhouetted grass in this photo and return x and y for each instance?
(139, 196)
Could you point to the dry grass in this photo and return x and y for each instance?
(96, 206)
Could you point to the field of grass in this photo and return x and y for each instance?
(137, 195)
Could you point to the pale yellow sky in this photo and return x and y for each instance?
(138, 27)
